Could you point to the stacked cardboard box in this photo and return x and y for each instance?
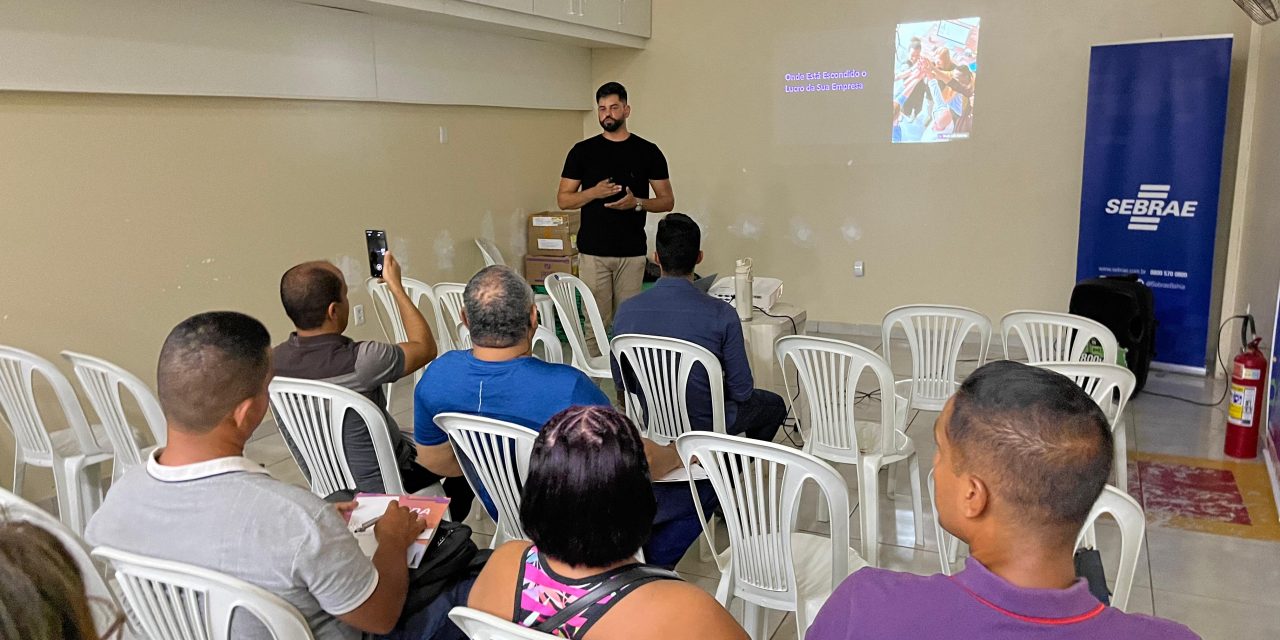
(553, 244)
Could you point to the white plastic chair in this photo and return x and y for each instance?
(769, 564)
(1127, 513)
(543, 338)
(177, 601)
(935, 336)
(498, 455)
(1133, 527)
(449, 299)
(661, 367)
(1110, 386)
(311, 414)
(102, 382)
(72, 454)
(478, 625)
(546, 309)
(828, 372)
(103, 605)
(393, 327)
(1057, 337)
(565, 290)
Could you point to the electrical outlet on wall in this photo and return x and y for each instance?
(358, 313)
(859, 269)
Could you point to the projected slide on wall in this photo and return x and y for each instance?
(935, 76)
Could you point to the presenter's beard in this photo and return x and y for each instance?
(611, 125)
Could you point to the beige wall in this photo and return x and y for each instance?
(123, 215)
(1259, 223)
(990, 222)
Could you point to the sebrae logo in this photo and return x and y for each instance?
(1150, 207)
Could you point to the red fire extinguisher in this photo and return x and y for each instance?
(1248, 377)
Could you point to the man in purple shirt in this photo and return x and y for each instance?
(1022, 455)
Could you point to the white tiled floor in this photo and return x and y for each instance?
(1221, 587)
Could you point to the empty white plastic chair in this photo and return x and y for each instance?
(828, 372)
(102, 382)
(72, 454)
(1133, 527)
(565, 290)
(1110, 386)
(103, 605)
(384, 304)
(478, 625)
(544, 341)
(311, 414)
(449, 298)
(935, 336)
(177, 601)
(660, 368)
(546, 309)
(769, 564)
(497, 454)
(1057, 337)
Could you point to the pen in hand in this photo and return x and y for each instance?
(365, 527)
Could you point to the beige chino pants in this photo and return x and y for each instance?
(612, 281)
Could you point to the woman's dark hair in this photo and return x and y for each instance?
(588, 501)
(42, 593)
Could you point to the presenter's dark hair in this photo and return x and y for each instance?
(307, 290)
(1041, 443)
(611, 89)
(588, 501)
(678, 242)
(210, 363)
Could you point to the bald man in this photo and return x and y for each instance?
(314, 295)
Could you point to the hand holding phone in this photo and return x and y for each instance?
(391, 271)
(376, 241)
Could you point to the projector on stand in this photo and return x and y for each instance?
(765, 292)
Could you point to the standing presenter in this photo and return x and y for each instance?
(609, 177)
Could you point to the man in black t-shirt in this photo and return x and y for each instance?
(609, 177)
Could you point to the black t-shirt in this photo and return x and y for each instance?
(630, 163)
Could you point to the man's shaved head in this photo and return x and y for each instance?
(1040, 442)
(210, 363)
(308, 289)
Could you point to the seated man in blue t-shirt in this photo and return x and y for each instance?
(499, 379)
(674, 308)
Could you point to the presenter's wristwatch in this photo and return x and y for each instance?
(639, 206)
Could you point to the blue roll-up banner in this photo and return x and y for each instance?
(1154, 129)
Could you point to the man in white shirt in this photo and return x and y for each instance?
(200, 501)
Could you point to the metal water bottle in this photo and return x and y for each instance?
(742, 288)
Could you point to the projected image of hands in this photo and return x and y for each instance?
(935, 78)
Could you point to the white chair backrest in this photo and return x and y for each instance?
(828, 372)
(552, 350)
(311, 413)
(1057, 337)
(478, 625)
(1133, 526)
(1110, 385)
(102, 381)
(759, 486)
(565, 291)
(102, 601)
(176, 601)
(19, 408)
(418, 292)
(489, 251)
(498, 453)
(449, 297)
(935, 335)
(659, 370)
(544, 338)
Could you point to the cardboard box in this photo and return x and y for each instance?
(553, 233)
(537, 268)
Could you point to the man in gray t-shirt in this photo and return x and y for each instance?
(201, 502)
(314, 295)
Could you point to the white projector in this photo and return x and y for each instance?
(765, 292)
